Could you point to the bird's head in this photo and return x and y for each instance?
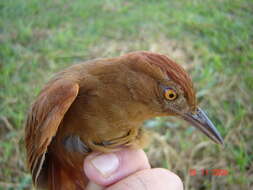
(166, 87)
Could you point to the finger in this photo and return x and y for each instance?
(150, 179)
(106, 169)
(93, 186)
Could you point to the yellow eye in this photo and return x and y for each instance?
(170, 94)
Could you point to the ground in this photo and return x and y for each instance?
(212, 39)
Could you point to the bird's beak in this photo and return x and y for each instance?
(200, 120)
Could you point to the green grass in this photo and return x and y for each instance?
(211, 38)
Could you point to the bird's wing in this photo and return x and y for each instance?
(44, 119)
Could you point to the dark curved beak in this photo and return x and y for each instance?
(200, 120)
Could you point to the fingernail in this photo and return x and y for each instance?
(106, 164)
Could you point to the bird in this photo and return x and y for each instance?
(100, 105)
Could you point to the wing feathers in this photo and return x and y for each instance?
(44, 119)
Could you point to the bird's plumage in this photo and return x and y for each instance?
(99, 105)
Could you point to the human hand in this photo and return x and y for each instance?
(127, 169)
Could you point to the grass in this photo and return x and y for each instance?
(212, 39)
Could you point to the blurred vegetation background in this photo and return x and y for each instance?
(212, 39)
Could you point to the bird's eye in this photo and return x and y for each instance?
(170, 94)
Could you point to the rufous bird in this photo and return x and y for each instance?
(100, 105)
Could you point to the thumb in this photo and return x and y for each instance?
(106, 169)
